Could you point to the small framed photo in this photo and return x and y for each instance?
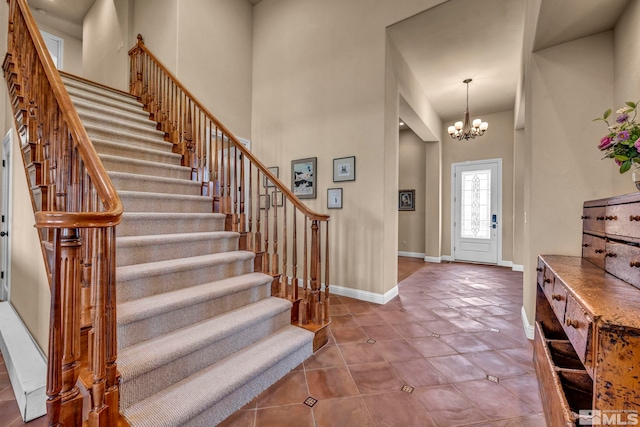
(267, 182)
(303, 178)
(277, 199)
(407, 200)
(344, 169)
(264, 200)
(334, 198)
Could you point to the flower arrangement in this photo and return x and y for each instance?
(622, 143)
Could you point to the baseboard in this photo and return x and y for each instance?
(517, 267)
(447, 258)
(364, 295)
(528, 327)
(410, 254)
(505, 264)
(25, 364)
(434, 259)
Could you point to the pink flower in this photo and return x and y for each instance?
(618, 162)
(605, 143)
(637, 145)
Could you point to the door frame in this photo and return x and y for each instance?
(7, 196)
(478, 163)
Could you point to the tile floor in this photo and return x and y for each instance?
(420, 360)
(451, 327)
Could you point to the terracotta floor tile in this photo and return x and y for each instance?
(285, 416)
(411, 330)
(493, 363)
(521, 357)
(525, 388)
(446, 312)
(418, 373)
(381, 332)
(421, 314)
(345, 412)
(359, 353)
(474, 311)
(369, 319)
(396, 409)
(454, 302)
(431, 346)
(457, 369)
(240, 419)
(292, 388)
(360, 308)
(396, 350)
(9, 412)
(467, 324)
(500, 341)
(342, 321)
(465, 342)
(394, 317)
(441, 398)
(528, 421)
(338, 310)
(328, 356)
(349, 334)
(493, 400)
(430, 304)
(330, 383)
(375, 378)
(442, 327)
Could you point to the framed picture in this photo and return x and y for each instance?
(303, 178)
(344, 169)
(277, 199)
(334, 198)
(407, 200)
(264, 201)
(274, 170)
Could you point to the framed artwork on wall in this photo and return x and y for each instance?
(407, 200)
(274, 170)
(334, 198)
(344, 169)
(303, 178)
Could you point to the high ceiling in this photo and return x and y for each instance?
(459, 39)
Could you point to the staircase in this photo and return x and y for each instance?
(198, 333)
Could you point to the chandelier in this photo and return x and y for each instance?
(466, 129)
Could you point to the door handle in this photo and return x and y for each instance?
(2, 233)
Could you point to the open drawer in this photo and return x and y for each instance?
(565, 386)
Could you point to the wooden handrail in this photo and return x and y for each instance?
(76, 210)
(289, 195)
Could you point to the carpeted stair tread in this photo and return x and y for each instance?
(122, 164)
(125, 181)
(160, 239)
(178, 404)
(150, 223)
(100, 125)
(107, 108)
(139, 201)
(97, 100)
(137, 271)
(137, 359)
(157, 154)
(96, 90)
(145, 136)
(144, 308)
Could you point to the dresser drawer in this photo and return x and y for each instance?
(579, 329)
(593, 219)
(558, 300)
(540, 271)
(623, 261)
(593, 248)
(623, 220)
(548, 281)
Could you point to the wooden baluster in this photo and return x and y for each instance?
(257, 246)
(54, 365)
(285, 284)
(98, 414)
(315, 257)
(294, 259)
(112, 397)
(216, 183)
(223, 175)
(250, 240)
(235, 187)
(304, 304)
(241, 189)
(327, 316)
(275, 260)
(266, 257)
(227, 193)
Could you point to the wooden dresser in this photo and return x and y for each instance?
(587, 338)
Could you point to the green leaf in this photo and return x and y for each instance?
(606, 114)
(621, 158)
(625, 166)
(631, 104)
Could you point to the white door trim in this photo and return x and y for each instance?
(55, 45)
(453, 195)
(7, 196)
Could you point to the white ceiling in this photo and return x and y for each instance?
(459, 39)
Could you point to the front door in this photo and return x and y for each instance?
(5, 262)
(476, 211)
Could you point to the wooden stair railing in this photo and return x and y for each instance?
(256, 202)
(76, 211)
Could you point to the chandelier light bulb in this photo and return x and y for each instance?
(466, 130)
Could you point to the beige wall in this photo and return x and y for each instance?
(106, 42)
(518, 197)
(412, 173)
(320, 89)
(156, 21)
(569, 85)
(496, 143)
(72, 55)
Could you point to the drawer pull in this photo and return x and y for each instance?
(539, 269)
(610, 254)
(599, 251)
(585, 217)
(600, 218)
(572, 322)
(634, 217)
(612, 218)
(556, 297)
(585, 245)
(546, 280)
(634, 264)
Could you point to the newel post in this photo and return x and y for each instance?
(135, 84)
